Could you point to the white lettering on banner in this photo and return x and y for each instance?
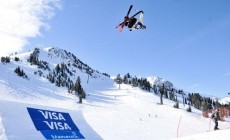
(52, 115)
(64, 137)
(57, 125)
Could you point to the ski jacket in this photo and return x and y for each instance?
(216, 116)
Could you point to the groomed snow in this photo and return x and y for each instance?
(107, 113)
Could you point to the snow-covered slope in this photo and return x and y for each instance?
(153, 80)
(225, 100)
(220, 135)
(39, 87)
(106, 113)
(159, 81)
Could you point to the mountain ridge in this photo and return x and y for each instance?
(50, 57)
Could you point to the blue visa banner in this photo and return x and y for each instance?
(51, 120)
(62, 134)
(54, 125)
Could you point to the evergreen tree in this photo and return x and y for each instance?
(176, 105)
(5, 59)
(78, 85)
(204, 106)
(217, 104)
(189, 109)
(148, 86)
(125, 80)
(57, 68)
(33, 59)
(190, 99)
(166, 94)
(162, 89)
(118, 80)
(182, 92)
(20, 72)
(78, 89)
(16, 59)
(134, 82)
(17, 70)
(128, 75)
(155, 89)
(171, 95)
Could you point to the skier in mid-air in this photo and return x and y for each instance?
(132, 22)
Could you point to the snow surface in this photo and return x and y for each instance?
(225, 100)
(107, 113)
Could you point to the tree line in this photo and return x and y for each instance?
(191, 99)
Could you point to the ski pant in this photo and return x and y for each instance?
(216, 125)
(132, 22)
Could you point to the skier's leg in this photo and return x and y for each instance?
(140, 25)
(216, 125)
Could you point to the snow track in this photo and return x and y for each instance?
(2, 130)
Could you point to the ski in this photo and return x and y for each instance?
(127, 18)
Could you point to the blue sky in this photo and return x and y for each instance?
(186, 41)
